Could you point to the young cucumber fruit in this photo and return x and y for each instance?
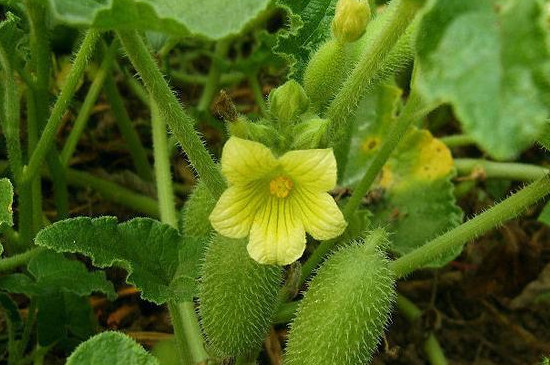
(346, 307)
(238, 297)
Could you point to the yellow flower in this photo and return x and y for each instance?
(277, 200)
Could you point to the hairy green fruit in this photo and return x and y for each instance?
(194, 215)
(238, 297)
(346, 308)
(326, 72)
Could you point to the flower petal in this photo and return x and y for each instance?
(244, 161)
(277, 235)
(320, 214)
(235, 210)
(314, 169)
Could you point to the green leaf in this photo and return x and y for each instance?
(489, 59)
(154, 254)
(6, 200)
(309, 25)
(65, 318)
(414, 195)
(113, 348)
(213, 19)
(53, 272)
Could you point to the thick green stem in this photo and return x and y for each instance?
(213, 82)
(165, 189)
(89, 102)
(137, 151)
(39, 97)
(47, 138)
(179, 121)
(497, 215)
(458, 140)
(413, 110)
(10, 116)
(500, 170)
(13, 262)
(186, 326)
(398, 16)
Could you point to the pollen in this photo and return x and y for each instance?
(280, 186)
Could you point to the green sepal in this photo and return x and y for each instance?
(310, 134)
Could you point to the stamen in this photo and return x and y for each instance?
(280, 186)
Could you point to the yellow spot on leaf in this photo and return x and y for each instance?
(434, 160)
(387, 177)
(370, 144)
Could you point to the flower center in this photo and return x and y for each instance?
(280, 186)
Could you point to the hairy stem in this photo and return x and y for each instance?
(137, 151)
(213, 81)
(497, 215)
(458, 140)
(179, 121)
(412, 313)
(61, 104)
(413, 110)
(258, 93)
(398, 16)
(500, 170)
(89, 102)
(13, 262)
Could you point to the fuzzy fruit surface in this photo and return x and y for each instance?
(346, 308)
(238, 297)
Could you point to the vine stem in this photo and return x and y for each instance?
(60, 106)
(258, 93)
(497, 215)
(400, 14)
(413, 110)
(500, 170)
(412, 313)
(13, 262)
(186, 326)
(458, 140)
(137, 151)
(214, 74)
(179, 121)
(88, 104)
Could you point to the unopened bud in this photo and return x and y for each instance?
(245, 129)
(288, 102)
(350, 20)
(311, 134)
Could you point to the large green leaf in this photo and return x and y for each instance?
(489, 60)
(52, 272)
(64, 318)
(60, 288)
(214, 19)
(113, 348)
(414, 195)
(309, 25)
(160, 262)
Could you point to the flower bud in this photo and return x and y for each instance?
(245, 129)
(288, 102)
(311, 134)
(350, 20)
